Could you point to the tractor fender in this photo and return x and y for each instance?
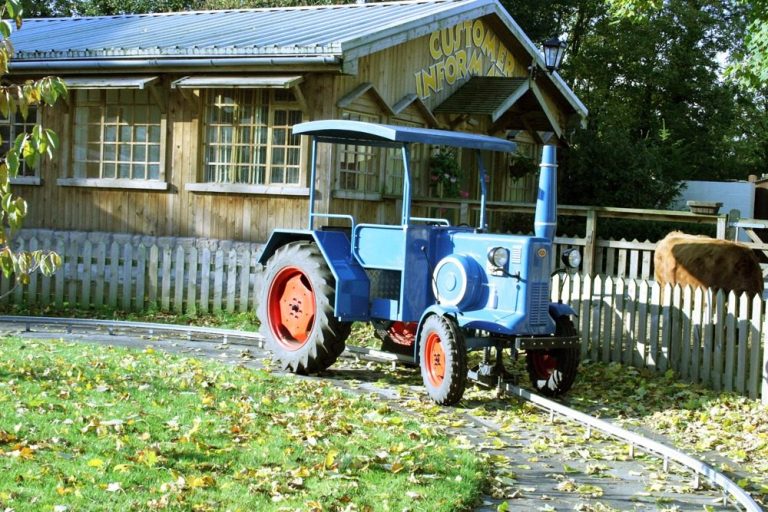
(279, 238)
(434, 309)
(352, 291)
(558, 309)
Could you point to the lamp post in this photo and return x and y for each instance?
(553, 53)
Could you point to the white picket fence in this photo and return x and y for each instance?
(135, 273)
(714, 339)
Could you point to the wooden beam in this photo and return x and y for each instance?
(533, 133)
(159, 96)
(551, 117)
(360, 90)
(296, 89)
(509, 101)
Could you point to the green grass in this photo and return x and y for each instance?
(88, 427)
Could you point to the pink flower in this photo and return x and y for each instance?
(464, 194)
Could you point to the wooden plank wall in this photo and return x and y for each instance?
(175, 212)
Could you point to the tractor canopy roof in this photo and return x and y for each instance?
(372, 134)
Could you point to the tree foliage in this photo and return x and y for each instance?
(661, 108)
(27, 147)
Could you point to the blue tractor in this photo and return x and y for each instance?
(433, 291)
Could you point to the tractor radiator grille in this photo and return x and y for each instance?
(385, 284)
(539, 306)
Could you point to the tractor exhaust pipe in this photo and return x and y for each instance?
(545, 220)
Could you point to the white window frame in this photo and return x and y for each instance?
(270, 98)
(101, 95)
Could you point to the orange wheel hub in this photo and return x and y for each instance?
(291, 308)
(435, 359)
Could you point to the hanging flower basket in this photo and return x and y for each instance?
(444, 173)
(520, 166)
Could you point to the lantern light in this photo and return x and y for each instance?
(553, 53)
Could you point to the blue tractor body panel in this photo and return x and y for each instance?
(352, 284)
(512, 300)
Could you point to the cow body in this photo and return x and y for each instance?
(701, 261)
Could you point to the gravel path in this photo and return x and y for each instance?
(537, 463)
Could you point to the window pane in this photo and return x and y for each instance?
(94, 153)
(293, 156)
(279, 137)
(240, 144)
(125, 134)
(92, 170)
(140, 134)
(293, 176)
(113, 132)
(278, 174)
(125, 153)
(110, 152)
(78, 170)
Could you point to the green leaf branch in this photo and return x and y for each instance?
(28, 147)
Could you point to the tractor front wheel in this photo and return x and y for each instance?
(443, 359)
(296, 310)
(552, 372)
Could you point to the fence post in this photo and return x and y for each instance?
(590, 243)
(723, 231)
(764, 372)
(464, 213)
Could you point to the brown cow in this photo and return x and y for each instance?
(691, 260)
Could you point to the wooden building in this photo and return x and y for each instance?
(179, 124)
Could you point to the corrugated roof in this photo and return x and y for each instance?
(272, 36)
(316, 30)
(481, 95)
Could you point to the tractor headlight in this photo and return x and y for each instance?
(571, 258)
(499, 257)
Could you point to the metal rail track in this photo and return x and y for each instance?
(731, 492)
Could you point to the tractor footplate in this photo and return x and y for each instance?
(547, 342)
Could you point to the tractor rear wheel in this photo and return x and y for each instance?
(296, 310)
(443, 359)
(552, 372)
